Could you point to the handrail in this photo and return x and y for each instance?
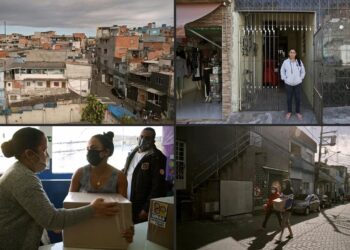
(221, 158)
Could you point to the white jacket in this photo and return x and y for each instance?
(292, 73)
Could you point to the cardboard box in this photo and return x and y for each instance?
(103, 232)
(279, 204)
(161, 222)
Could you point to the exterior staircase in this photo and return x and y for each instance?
(220, 159)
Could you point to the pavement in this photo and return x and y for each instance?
(336, 115)
(192, 108)
(329, 229)
(271, 117)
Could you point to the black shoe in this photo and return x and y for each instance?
(290, 237)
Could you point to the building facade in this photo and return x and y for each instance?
(248, 159)
(254, 37)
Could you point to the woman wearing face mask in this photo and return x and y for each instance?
(98, 176)
(269, 207)
(25, 209)
(288, 196)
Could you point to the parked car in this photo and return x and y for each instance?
(304, 203)
(325, 201)
(118, 93)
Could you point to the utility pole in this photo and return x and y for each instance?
(318, 165)
(323, 142)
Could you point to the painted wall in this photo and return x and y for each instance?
(62, 114)
(39, 76)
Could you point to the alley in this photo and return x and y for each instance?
(329, 229)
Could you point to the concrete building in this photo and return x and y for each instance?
(337, 185)
(79, 76)
(302, 172)
(105, 51)
(35, 79)
(252, 38)
(239, 164)
(151, 91)
(2, 85)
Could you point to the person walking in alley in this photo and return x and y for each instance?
(293, 73)
(288, 196)
(269, 207)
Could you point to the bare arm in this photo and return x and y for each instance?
(122, 185)
(75, 183)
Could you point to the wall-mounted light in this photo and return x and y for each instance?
(341, 27)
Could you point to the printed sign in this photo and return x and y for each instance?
(159, 214)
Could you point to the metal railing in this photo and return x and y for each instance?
(220, 158)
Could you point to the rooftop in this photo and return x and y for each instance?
(39, 65)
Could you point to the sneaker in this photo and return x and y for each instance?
(300, 116)
(288, 115)
(290, 237)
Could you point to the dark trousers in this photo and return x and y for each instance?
(268, 214)
(293, 91)
(207, 73)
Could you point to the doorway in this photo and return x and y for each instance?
(201, 97)
(265, 39)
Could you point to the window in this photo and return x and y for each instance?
(40, 84)
(13, 97)
(28, 84)
(105, 62)
(5, 135)
(9, 84)
(69, 145)
(55, 71)
(56, 84)
(306, 187)
(36, 71)
(105, 51)
(180, 164)
(309, 157)
(295, 149)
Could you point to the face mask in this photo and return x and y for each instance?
(93, 157)
(43, 164)
(145, 144)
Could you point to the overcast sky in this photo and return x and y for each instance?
(67, 16)
(342, 144)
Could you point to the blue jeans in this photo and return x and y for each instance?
(293, 91)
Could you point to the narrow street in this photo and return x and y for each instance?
(329, 229)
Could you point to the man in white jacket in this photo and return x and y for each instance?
(293, 73)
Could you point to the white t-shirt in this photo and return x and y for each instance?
(135, 160)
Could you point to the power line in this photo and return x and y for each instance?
(339, 153)
(311, 134)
